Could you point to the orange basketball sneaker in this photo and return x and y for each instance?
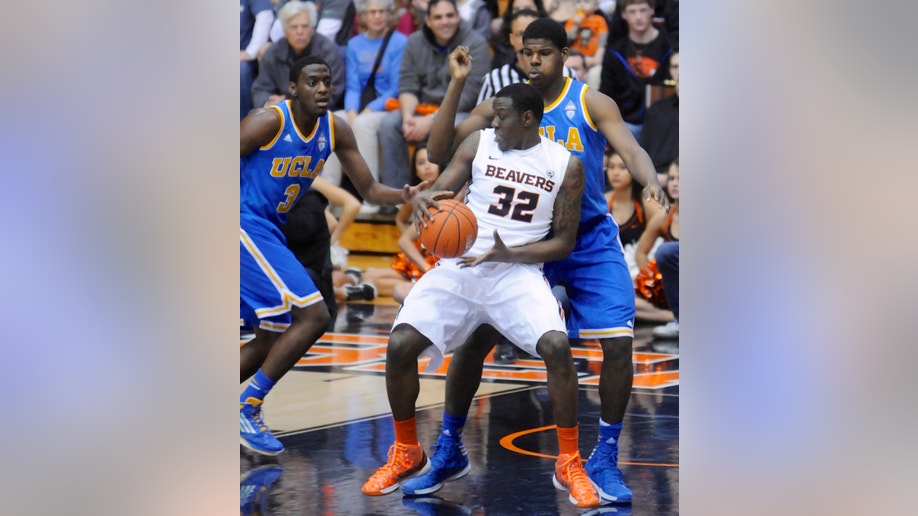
(404, 461)
(570, 477)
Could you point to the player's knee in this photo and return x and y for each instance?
(314, 315)
(405, 343)
(554, 347)
(617, 349)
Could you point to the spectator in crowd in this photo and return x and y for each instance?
(660, 134)
(503, 49)
(363, 109)
(255, 18)
(413, 261)
(423, 79)
(665, 18)
(561, 10)
(665, 225)
(476, 14)
(668, 265)
(331, 17)
(631, 213)
(587, 32)
(634, 62)
(299, 21)
(412, 18)
(576, 63)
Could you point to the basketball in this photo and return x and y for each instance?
(451, 232)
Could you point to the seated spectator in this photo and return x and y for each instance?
(665, 18)
(412, 18)
(255, 18)
(561, 10)
(665, 225)
(423, 79)
(362, 54)
(331, 17)
(587, 32)
(349, 207)
(577, 65)
(631, 212)
(634, 62)
(273, 80)
(660, 134)
(476, 15)
(413, 261)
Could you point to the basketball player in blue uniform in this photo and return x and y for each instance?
(282, 149)
(525, 193)
(595, 275)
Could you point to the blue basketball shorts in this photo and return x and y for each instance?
(598, 284)
(271, 279)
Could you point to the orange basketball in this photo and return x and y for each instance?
(451, 232)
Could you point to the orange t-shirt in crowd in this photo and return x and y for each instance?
(587, 40)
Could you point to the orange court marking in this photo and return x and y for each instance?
(368, 353)
(507, 442)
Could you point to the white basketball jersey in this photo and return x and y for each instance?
(514, 191)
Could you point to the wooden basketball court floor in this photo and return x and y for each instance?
(332, 414)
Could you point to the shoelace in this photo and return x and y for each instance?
(580, 486)
(398, 456)
(438, 461)
(257, 420)
(576, 476)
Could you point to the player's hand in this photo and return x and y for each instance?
(409, 192)
(498, 253)
(460, 62)
(422, 200)
(655, 192)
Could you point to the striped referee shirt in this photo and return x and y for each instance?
(506, 75)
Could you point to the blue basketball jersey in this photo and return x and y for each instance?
(567, 122)
(272, 178)
(595, 275)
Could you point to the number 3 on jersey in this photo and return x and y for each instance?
(292, 191)
(522, 211)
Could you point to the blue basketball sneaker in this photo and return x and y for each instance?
(449, 462)
(253, 433)
(602, 468)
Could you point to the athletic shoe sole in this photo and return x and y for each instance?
(436, 487)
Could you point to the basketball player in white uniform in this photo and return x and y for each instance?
(523, 188)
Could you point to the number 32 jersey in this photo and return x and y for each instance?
(514, 191)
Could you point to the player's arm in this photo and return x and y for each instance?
(257, 129)
(338, 196)
(403, 218)
(406, 244)
(457, 173)
(608, 118)
(355, 167)
(444, 135)
(565, 221)
(652, 230)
